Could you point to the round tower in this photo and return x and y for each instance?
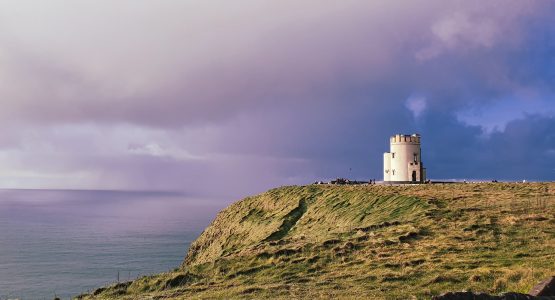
(403, 163)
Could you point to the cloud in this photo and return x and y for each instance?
(416, 105)
(227, 99)
(181, 63)
(458, 30)
(153, 149)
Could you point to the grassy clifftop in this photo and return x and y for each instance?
(299, 214)
(393, 242)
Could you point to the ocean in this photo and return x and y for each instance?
(63, 243)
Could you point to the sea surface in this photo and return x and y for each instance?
(63, 243)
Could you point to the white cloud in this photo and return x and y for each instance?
(416, 104)
(154, 149)
(475, 25)
(458, 30)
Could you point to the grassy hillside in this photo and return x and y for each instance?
(377, 242)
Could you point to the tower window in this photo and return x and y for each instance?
(393, 155)
(415, 157)
(393, 172)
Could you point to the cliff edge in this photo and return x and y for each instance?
(365, 241)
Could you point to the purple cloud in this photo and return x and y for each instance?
(192, 95)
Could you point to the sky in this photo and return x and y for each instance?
(230, 98)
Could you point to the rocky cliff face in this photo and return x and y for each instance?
(372, 242)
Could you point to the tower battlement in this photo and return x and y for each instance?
(405, 138)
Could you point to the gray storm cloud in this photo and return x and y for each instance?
(182, 94)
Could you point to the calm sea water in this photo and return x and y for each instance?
(67, 242)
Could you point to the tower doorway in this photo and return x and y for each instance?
(413, 176)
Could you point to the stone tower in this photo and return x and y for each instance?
(403, 163)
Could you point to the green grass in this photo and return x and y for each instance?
(372, 242)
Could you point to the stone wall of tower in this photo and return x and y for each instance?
(387, 166)
(404, 162)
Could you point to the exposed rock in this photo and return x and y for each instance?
(482, 296)
(544, 288)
